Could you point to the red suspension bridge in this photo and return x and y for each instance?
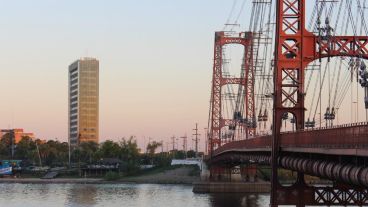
(293, 71)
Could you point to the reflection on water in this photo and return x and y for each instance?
(82, 195)
(220, 200)
(111, 195)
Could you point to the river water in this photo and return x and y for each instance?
(119, 195)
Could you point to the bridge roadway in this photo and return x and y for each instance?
(337, 153)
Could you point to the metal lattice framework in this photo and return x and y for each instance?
(341, 196)
(295, 49)
(301, 195)
(217, 122)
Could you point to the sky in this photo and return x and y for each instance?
(155, 63)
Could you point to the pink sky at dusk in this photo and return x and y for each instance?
(155, 64)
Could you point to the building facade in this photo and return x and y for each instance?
(83, 101)
(17, 134)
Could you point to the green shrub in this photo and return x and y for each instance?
(196, 171)
(111, 176)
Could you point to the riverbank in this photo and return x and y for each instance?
(232, 187)
(135, 180)
(171, 175)
(53, 181)
(181, 175)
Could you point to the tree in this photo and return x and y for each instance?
(58, 152)
(191, 154)
(52, 153)
(45, 152)
(6, 145)
(110, 149)
(152, 146)
(129, 149)
(151, 149)
(130, 153)
(88, 151)
(26, 149)
(179, 154)
(162, 159)
(63, 152)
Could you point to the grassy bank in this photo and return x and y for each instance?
(165, 175)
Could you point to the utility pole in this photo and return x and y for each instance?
(162, 146)
(206, 140)
(173, 146)
(12, 139)
(167, 147)
(39, 155)
(144, 145)
(196, 140)
(149, 140)
(185, 145)
(173, 143)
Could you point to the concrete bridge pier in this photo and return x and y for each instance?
(227, 179)
(249, 173)
(220, 174)
(243, 173)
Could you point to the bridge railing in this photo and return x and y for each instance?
(330, 127)
(353, 136)
(342, 136)
(254, 143)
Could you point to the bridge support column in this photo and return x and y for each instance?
(249, 173)
(220, 173)
(295, 48)
(228, 179)
(217, 120)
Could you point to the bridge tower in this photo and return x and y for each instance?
(295, 49)
(217, 121)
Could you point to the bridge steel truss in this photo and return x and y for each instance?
(354, 191)
(217, 122)
(295, 49)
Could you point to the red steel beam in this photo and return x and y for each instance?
(295, 49)
(216, 118)
(338, 137)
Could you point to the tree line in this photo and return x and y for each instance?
(55, 153)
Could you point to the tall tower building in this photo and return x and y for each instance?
(83, 101)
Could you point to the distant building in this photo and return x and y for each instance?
(83, 101)
(17, 133)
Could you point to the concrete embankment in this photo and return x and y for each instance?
(231, 187)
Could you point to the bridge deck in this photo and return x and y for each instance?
(339, 140)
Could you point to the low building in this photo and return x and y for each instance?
(188, 161)
(18, 134)
(103, 166)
